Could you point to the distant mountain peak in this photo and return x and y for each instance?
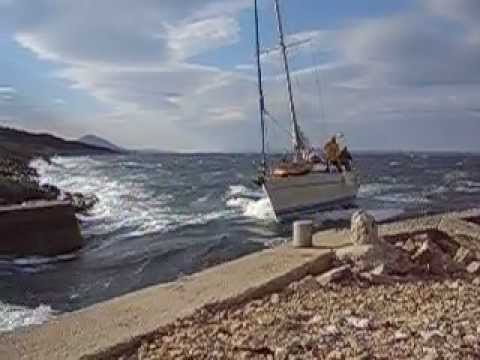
(95, 140)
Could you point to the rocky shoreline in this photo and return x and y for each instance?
(19, 183)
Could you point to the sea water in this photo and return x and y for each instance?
(162, 216)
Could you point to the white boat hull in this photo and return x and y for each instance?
(314, 191)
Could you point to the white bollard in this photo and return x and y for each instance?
(302, 234)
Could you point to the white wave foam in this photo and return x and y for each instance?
(455, 175)
(41, 260)
(252, 203)
(125, 202)
(467, 186)
(403, 198)
(240, 190)
(258, 209)
(438, 190)
(369, 190)
(12, 316)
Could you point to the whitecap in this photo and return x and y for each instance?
(241, 190)
(371, 189)
(13, 316)
(259, 209)
(403, 198)
(467, 186)
(42, 260)
(455, 175)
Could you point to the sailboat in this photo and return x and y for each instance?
(297, 185)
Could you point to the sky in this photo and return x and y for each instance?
(180, 75)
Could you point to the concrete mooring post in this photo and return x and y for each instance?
(302, 234)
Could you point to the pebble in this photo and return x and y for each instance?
(275, 299)
(358, 323)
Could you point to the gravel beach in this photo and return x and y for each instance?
(414, 295)
(418, 320)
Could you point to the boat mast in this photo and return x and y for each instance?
(261, 99)
(297, 141)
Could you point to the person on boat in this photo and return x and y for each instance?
(346, 159)
(332, 152)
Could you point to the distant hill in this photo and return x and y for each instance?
(94, 140)
(24, 145)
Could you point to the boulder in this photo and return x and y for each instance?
(433, 260)
(409, 246)
(335, 275)
(364, 229)
(366, 258)
(80, 202)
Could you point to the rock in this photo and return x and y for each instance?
(330, 330)
(308, 283)
(379, 270)
(444, 242)
(316, 319)
(281, 353)
(473, 267)
(81, 203)
(430, 354)
(364, 229)
(434, 335)
(464, 256)
(409, 246)
(380, 279)
(334, 275)
(365, 258)
(399, 336)
(335, 355)
(358, 323)
(433, 260)
(452, 284)
(275, 298)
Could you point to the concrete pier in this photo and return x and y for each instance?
(111, 326)
(43, 228)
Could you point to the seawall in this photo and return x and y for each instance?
(43, 228)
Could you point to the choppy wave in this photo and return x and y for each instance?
(403, 198)
(251, 203)
(124, 202)
(372, 189)
(12, 316)
(467, 186)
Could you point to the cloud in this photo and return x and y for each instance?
(139, 61)
(7, 90)
(194, 38)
